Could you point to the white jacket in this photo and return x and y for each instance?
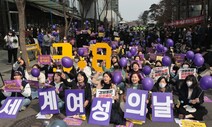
(10, 39)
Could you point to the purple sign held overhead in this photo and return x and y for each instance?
(12, 86)
(100, 111)
(74, 102)
(48, 101)
(11, 107)
(162, 107)
(135, 107)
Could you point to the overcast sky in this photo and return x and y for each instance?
(131, 9)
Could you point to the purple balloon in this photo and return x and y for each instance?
(133, 50)
(35, 72)
(158, 40)
(148, 37)
(197, 55)
(190, 55)
(53, 26)
(123, 62)
(166, 61)
(159, 47)
(117, 77)
(67, 62)
(165, 49)
(81, 51)
(113, 46)
(198, 60)
(147, 83)
(146, 70)
(129, 54)
(169, 43)
(137, 42)
(206, 82)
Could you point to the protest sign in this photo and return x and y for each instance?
(184, 72)
(179, 58)
(190, 123)
(135, 107)
(100, 111)
(72, 122)
(162, 107)
(12, 86)
(44, 59)
(11, 107)
(160, 71)
(74, 102)
(105, 93)
(48, 101)
(33, 84)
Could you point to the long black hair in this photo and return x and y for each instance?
(193, 79)
(84, 75)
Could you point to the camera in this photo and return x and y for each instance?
(18, 62)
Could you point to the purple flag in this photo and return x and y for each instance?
(135, 107)
(100, 111)
(11, 107)
(48, 101)
(12, 86)
(74, 102)
(162, 107)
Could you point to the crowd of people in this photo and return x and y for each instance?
(186, 92)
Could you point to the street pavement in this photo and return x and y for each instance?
(33, 109)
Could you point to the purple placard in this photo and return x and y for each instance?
(135, 107)
(86, 50)
(50, 77)
(11, 107)
(152, 56)
(48, 101)
(12, 85)
(180, 58)
(74, 102)
(150, 50)
(72, 121)
(100, 111)
(44, 59)
(162, 107)
(33, 84)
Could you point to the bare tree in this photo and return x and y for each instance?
(66, 16)
(100, 12)
(144, 17)
(84, 9)
(21, 16)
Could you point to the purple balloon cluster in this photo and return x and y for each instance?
(197, 58)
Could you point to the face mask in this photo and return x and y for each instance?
(185, 66)
(76, 60)
(162, 85)
(189, 83)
